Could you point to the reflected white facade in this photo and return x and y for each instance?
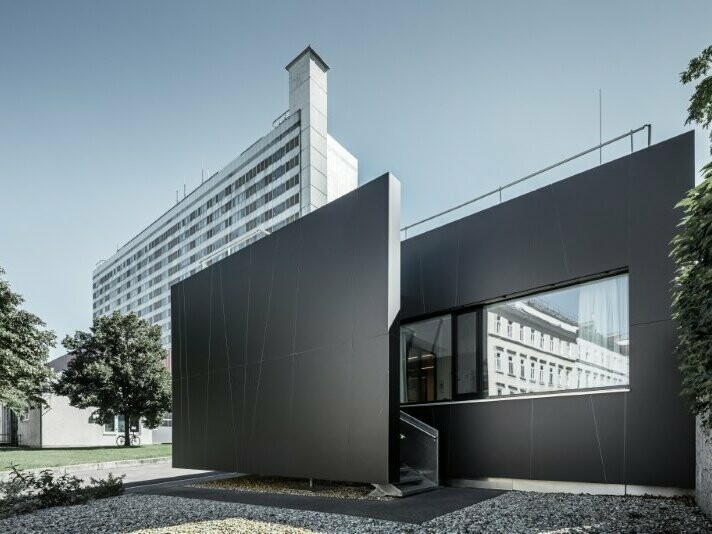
(294, 169)
(567, 339)
(534, 347)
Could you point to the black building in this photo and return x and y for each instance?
(536, 342)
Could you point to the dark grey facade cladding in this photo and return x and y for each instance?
(286, 352)
(616, 216)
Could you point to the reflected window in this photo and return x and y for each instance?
(426, 360)
(466, 375)
(582, 329)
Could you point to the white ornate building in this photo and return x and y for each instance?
(533, 347)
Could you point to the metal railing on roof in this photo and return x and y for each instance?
(499, 190)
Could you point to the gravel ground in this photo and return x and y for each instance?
(512, 512)
(293, 486)
(233, 525)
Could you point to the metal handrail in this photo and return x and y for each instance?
(419, 425)
(532, 175)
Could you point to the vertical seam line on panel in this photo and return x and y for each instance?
(352, 264)
(207, 378)
(187, 386)
(181, 375)
(598, 439)
(296, 293)
(422, 285)
(625, 434)
(227, 359)
(264, 338)
(294, 330)
(449, 440)
(180, 363)
(351, 352)
(244, 375)
(457, 265)
(561, 238)
(531, 439)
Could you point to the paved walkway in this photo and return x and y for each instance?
(414, 509)
(140, 475)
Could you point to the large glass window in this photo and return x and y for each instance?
(582, 337)
(566, 339)
(426, 360)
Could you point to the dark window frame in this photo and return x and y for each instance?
(482, 391)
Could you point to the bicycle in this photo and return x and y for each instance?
(121, 440)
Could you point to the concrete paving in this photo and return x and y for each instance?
(414, 509)
(140, 475)
(163, 479)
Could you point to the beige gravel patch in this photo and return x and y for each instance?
(232, 525)
(292, 486)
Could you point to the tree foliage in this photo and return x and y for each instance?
(118, 369)
(692, 297)
(24, 348)
(700, 110)
(692, 253)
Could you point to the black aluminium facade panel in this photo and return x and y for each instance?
(286, 352)
(618, 216)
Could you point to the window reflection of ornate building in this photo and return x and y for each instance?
(535, 347)
(566, 339)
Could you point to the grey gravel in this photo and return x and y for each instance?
(512, 512)
(564, 513)
(131, 513)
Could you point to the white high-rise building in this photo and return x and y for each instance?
(294, 169)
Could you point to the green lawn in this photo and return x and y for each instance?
(32, 458)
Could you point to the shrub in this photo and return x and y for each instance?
(692, 297)
(28, 491)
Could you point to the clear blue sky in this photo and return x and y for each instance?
(107, 108)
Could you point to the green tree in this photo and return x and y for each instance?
(24, 348)
(700, 110)
(118, 369)
(692, 253)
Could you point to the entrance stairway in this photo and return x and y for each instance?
(419, 459)
(410, 483)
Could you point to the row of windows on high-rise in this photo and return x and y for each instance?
(214, 230)
(219, 211)
(193, 259)
(220, 226)
(165, 315)
(275, 156)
